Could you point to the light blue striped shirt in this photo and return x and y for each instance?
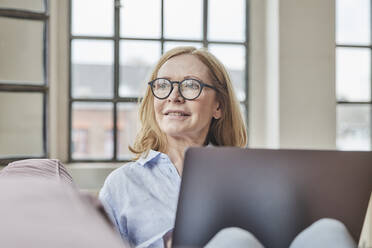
(141, 199)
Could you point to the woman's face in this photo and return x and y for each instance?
(180, 118)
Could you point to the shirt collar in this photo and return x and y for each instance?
(154, 154)
(150, 156)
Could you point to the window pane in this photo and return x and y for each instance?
(233, 58)
(92, 125)
(137, 59)
(21, 51)
(226, 22)
(353, 74)
(21, 124)
(92, 17)
(353, 22)
(31, 5)
(183, 19)
(137, 21)
(92, 68)
(353, 127)
(128, 127)
(170, 45)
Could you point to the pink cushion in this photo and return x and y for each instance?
(46, 168)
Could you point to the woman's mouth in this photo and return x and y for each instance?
(176, 113)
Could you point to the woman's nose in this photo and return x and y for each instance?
(175, 95)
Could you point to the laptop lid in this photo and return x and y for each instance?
(274, 194)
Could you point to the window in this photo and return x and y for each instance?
(23, 80)
(353, 74)
(115, 44)
(80, 141)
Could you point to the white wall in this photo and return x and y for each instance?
(257, 73)
(292, 99)
(58, 55)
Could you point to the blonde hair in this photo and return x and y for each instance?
(229, 130)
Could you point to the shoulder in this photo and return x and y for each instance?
(118, 176)
(122, 171)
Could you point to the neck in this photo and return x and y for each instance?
(177, 147)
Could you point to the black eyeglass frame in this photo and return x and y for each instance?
(202, 85)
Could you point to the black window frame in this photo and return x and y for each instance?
(116, 97)
(43, 87)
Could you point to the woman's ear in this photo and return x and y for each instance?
(217, 112)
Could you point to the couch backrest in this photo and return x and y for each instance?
(45, 168)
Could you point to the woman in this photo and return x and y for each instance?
(189, 102)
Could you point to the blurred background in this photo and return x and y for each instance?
(72, 73)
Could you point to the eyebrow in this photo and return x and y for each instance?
(185, 77)
(192, 76)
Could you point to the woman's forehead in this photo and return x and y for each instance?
(184, 65)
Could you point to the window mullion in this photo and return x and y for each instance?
(45, 125)
(116, 74)
(205, 23)
(69, 145)
(370, 72)
(162, 26)
(246, 67)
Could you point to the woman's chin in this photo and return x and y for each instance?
(176, 132)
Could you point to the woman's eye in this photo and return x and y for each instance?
(162, 85)
(192, 85)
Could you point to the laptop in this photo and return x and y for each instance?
(274, 194)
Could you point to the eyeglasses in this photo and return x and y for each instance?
(189, 89)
